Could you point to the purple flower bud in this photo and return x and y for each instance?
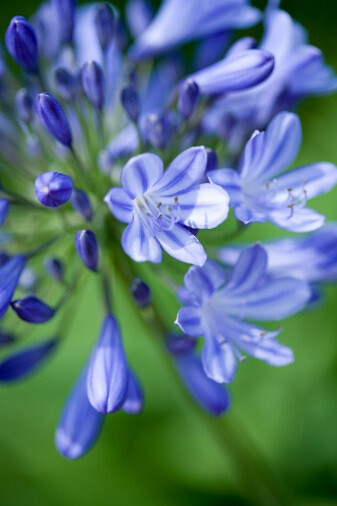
(212, 159)
(55, 268)
(67, 83)
(6, 338)
(87, 248)
(32, 310)
(141, 293)
(4, 208)
(80, 424)
(10, 274)
(105, 23)
(180, 344)
(25, 361)
(53, 118)
(81, 203)
(21, 43)
(107, 381)
(134, 396)
(130, 102)
(4, 257)
(155, 131)
(188, 98)
(53, 189)
(66, 14)
(93, 83)
(24, 105)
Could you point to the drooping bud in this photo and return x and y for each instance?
(105, 23)
(212, 159)
(53, 118)
(134, 396)
(26, 361)
(107, 381)
(80, 424)
(93, 83)
(55, 268)
(87, 248)
(81, 203)
(32, 310)
(188, 98)
(24, 105)
(65, 10)
(141, 293)
(130, 102)
(53, 189)
(4, 208)
(10, 274)
(67, 83)
(21, 43)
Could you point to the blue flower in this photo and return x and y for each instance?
(299, 72)
(312, 258)
(10, 274)
(177, 22)
(211, 396)
(237, 71)
(157, 204)
(216, 307)
(107, 381)
(260, 191)
(80, 424)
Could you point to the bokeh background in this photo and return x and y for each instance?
(280, 433)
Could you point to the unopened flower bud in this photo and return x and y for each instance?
(87, 248)
(188, 98)
(65, 10)
(53, 118)
(24, 105)
(93, 83)
(105, 23)
(4, 208)
(32, 310)
(67, 83)
(81, 203)
(21, 43)
(130, 102)
(53, 189)
(55, 268)
(141, 293)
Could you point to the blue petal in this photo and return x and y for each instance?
(185, 171)
(202, 281)
(210, 395)
(178, 22)
(229, 180)
(141, 173)
(134, 397)
(273, 300)
(266, 155)
(203, 206)
(108, 372)
(249, 271)
(314, 179)
(218, 360)
(120, 204)
(139, 243)
(298, 220)
(24, 362)
(124, 144)
(10, 273)
(80, 424)
(182, 245)
(238, 72)
(189, 321)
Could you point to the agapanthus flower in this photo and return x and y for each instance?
(91, 142)
(216, 307)
(262, 191)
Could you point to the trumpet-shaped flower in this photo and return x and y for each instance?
(156, 205)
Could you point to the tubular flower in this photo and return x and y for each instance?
(106, 162)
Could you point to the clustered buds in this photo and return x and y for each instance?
(53, 189)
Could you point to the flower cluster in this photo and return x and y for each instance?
(107, 161)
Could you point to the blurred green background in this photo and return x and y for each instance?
(283, 421)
